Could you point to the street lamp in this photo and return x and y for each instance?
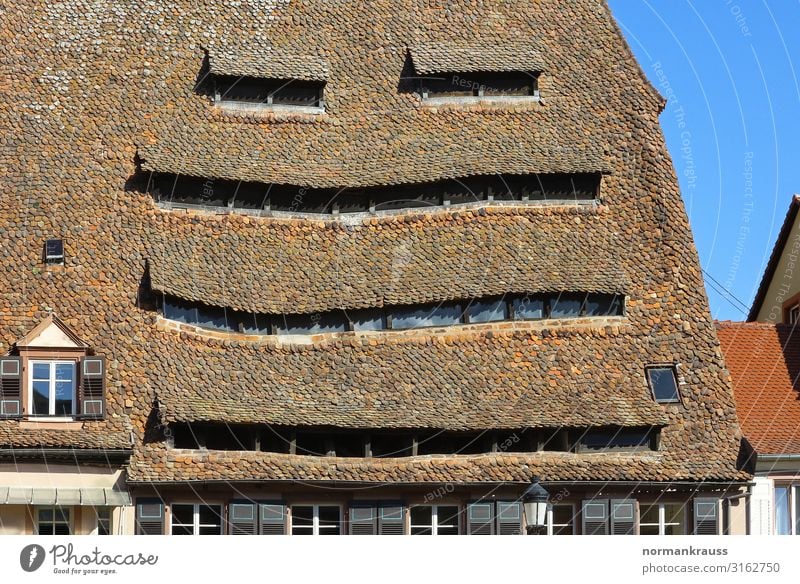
(534, 502)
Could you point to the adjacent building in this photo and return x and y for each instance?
(763, 356)
(351, 268)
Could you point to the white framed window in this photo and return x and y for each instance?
(316, 519)
(787, 509)
(53, 521)
(561, 519)
(52, 388)
(794, 314)
(435, 519)
(662, 519)
(196, 519)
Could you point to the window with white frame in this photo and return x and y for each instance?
(794, 314)
(52, 388)
(787, 509)
(103, 520)
(196, 519)
(316, 520)
(561, 519)
(434, 520)
(53, 521)
(662, 519)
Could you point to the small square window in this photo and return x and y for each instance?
(794, 314)
(664, 384)
(54, 252)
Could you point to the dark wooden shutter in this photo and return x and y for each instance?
(10, 387)
(363, 519)
(509, 518)
(272, 518)
(595, 517)
(480, 518)
(706, 516)
(149, 517)
(391, 520)
(623, 516)
(92, 389)
(242, 518)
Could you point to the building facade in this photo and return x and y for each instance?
(358, 268)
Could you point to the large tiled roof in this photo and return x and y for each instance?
(120, 80)
(764, 362)
(239, 262)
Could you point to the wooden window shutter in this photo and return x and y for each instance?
(242, 518)
(363, 519)
(10, 387)
(272, 518)
(595, 517)
(706, 516)
(391, 520)
(509, 518)
(480, 518)
(149, 517)
(92, 388)
(623, 516)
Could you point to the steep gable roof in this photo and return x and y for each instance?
(52, 332)
(774, 258)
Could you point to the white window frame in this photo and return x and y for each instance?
(196, 525)
(315, 527)
(70, 516)
(434, 526)
(794, 509)
(662, 517)
(51, 415)
(794, 314)
(551, 525)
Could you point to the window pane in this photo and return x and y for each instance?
(64, 398)
(210, 515)
(782, 526)
(442, 315)
(212, 317)
(648, 529)
(183, 514)
(664, 384)
(179, 311)
(299, 93)
(447, 520)
(41, 398)
(603, 305)
(46, 529)
(566, 305)
(674, 519)
(61, 529)
(489, 311)
(65, 371)
(302, 517)
(649, 514)
(306, 324)
(528, 307)
(41, 371)
(421, 517)
(368, 320)
(182, 530)
(210, 530)
(46, 514)
(329, 519)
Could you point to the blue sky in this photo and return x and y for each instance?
(731, 70)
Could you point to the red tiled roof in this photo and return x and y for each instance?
(764, 362)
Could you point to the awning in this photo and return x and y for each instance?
(93, 496)
(268, 63)
(464, 58)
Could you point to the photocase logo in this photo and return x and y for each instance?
(31, 557)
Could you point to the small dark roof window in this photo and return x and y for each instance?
(663, 383)
(54, 251)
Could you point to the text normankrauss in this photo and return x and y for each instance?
(685, 551)
(64, 554)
